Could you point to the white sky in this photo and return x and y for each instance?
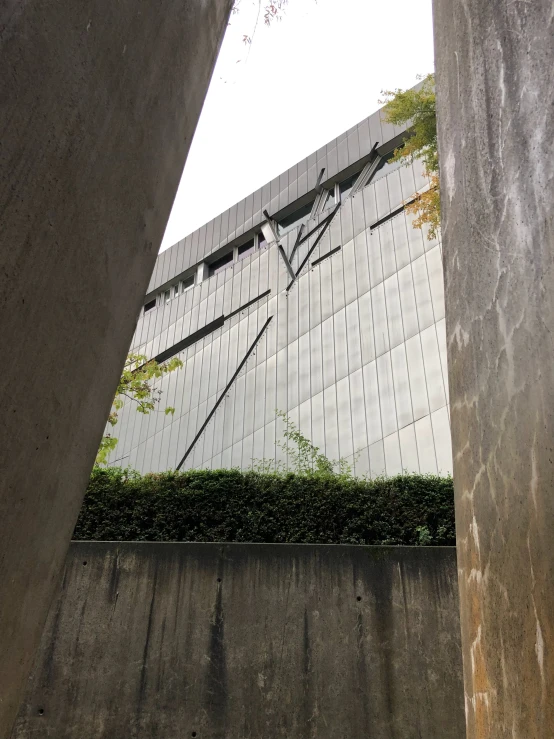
(301, 83)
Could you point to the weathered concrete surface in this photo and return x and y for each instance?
(495, 91)
(250, 641)
(98, 105)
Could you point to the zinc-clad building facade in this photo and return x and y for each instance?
(314, 296)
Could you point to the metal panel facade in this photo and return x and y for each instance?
(355, 353)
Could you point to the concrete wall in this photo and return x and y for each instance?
(249, 641)
(98, 104)
(495, 99)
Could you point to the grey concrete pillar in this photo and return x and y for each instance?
(495, 92)
(98, 104)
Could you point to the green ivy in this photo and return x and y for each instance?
(234, 506)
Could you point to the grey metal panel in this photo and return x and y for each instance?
(353, 145)
(195, 249)
(364, 138)
(358, 215)
(416, 372)
(332, 160)
(311, 168)
(331, 423)
(400, 237)
(436, 281)
(326, 303)
(270, 388)
(232, 224)
(375, 131)
(304, 389)
(269, 441)
(403, 400)
(304, 297)
(426, 446)
(302, 177)
(240, 218)
(316, 360)
(281, 398)
(228, 418)
(422, 292)
(353, 344)
(342, 152)
(258, 446)
(443, 444)
(337, 281)
(395, 190)
(292, 376)
(433, 369)
(394, 312)
(382, 197)
(377, 459)
(408, 449)
(370, 204)
(361, 264)
(367, 339)
(236, 455)
(328, 352)
(415, 238)
(358, 410)
(226, 458)
(259, 396)
(386, 394)
(292, 315)
(388, 257)
(347, 224)
(373, 405)
(374, 258)
(249, 399)
(257, 206)
(393, 460)
(292, 176)
(380, 328)
(346, 447)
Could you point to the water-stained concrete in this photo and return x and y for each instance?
(495, 105)
(244, 641)
(98, 105)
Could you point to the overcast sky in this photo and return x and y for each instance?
(302, 82)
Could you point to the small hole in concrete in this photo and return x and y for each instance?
(359, 598)
(218, 579)
(194, 733)
(85, 563)
(41, 711)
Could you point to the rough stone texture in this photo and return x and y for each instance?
(495, 89)
(245, 641)
(99, 102)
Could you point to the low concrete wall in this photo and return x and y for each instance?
(250, 641)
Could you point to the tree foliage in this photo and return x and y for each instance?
(137, 384)
(417, 107)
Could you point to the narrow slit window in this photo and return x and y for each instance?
(167, 296)
(176, 290)
(188, 283)
(150, 305)
(246, 249)
(262, 243)
(221, 264)
(346, 186)
(296, 218)
(330, 199)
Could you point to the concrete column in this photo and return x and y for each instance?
(98, 104)
(495, 92)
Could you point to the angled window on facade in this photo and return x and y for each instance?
(188, 283)
(346, 186)
(296, 218)
(386, 166)
(221, 264)
(330, 199)
(262, 243)
(150, 305)
(246, 249)
(167, 296)
(175, 290)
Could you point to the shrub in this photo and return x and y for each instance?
(234, 506)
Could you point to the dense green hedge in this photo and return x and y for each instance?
(228, 505)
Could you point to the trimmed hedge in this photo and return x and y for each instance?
(232, 506)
